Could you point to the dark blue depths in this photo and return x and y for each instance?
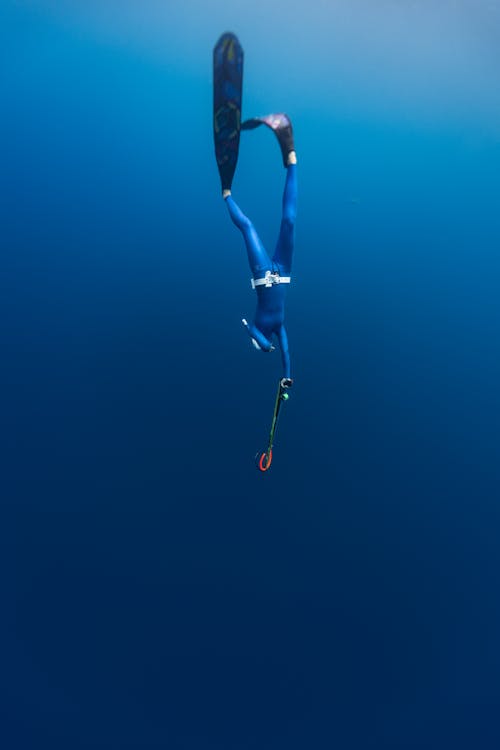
(157, 590)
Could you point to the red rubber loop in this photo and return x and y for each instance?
(263, 464)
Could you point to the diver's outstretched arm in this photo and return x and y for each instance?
(285, 355)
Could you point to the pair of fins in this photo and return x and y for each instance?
(227, 125)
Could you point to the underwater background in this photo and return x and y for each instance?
(157, 590)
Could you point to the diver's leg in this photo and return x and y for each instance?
(284, 247)
(257, 256)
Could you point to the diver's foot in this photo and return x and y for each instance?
(226, 194)
(281, 124)
(286, 382)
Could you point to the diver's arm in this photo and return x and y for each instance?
(285, 355)
(258, 339)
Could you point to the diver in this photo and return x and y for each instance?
(271, 275)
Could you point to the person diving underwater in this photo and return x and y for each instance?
(271, 274)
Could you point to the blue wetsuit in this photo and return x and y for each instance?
(270, 312)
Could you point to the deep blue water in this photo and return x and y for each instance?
(157, 590)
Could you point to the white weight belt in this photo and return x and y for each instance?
(270, 279)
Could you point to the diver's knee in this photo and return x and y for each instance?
(246, 224)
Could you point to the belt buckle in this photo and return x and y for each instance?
(272, 278)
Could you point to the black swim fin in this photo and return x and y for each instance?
(228, 86)
(281, 124)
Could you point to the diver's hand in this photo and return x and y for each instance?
(286, 382)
